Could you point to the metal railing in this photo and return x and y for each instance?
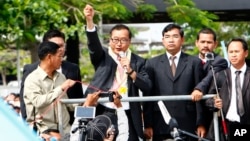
(140, 99)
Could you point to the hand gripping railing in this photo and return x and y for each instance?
(141, 99)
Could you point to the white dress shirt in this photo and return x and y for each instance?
(232, 114)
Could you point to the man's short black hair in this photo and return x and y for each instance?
(119, 27)
(46, 48)
(53, 33)
(243, 42)
(172, 26)
(206, 30)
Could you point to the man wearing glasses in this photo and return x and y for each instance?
(117, 69)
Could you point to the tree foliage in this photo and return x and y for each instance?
(185, 12)
(23, 21)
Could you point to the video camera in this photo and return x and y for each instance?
(209, 56)
(108, 94)
(84, 115)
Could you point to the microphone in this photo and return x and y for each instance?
(122, 55)
(174, 130)
(74, 130)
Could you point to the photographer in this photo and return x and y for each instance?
(122, 124)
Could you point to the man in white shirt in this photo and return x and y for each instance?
(233, 102)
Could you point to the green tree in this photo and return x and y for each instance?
(22, 21)
(185, 13)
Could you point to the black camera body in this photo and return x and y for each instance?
(209, 56)
(108, 94)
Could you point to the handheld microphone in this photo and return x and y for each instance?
(122, 55)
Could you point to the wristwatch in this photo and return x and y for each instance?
(129, 73)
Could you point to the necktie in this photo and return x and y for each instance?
(240, 106)
(203, 62)
(173, 66)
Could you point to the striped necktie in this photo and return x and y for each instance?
(240, 106)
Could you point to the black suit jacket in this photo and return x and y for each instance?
(218, 64)
(224, 84)
(105, 68)
(188, 114)
(70, 70)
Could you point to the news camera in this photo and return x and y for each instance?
(84, 115)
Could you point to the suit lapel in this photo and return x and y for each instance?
(229, 86)
(64, 70)
(181, 65)
(133, 61)
(166, 66)
(246, 81)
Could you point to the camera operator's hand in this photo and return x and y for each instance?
(92, 99)
(110, 135)
(117, 100)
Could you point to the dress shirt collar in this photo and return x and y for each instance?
(242, 69)
(177, 55)
(203, 59)
(44, 75)
(176, 60)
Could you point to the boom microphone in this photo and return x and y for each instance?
(173, 125)
(170, 121)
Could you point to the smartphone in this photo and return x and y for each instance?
(85, 112)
